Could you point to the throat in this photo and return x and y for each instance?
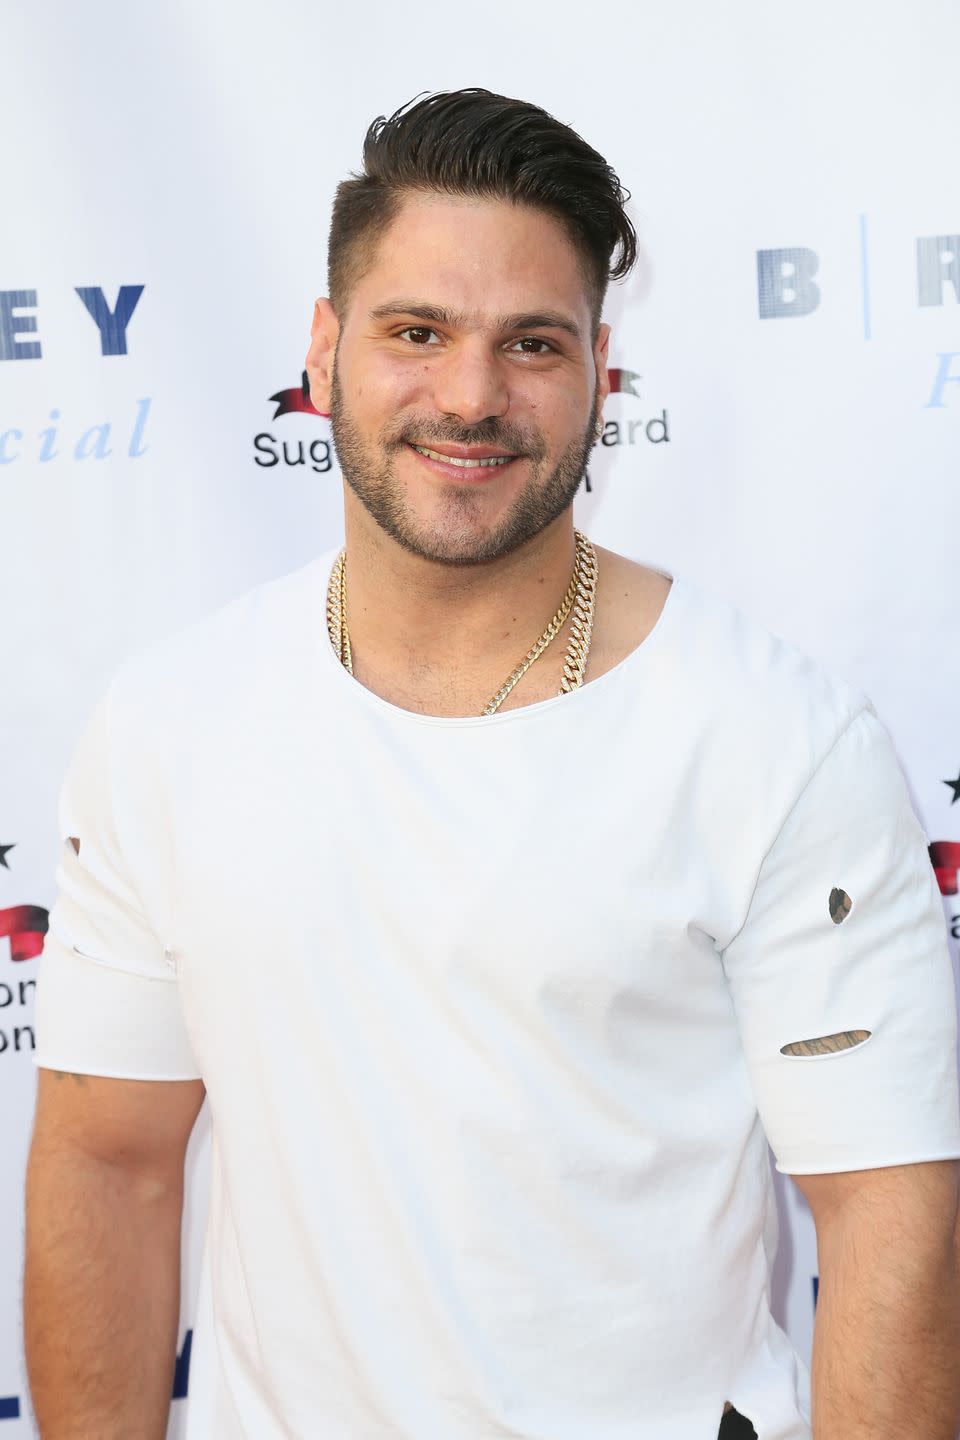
(476, 665)
(460, 689)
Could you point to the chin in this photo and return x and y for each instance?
(452, 547)
(451, 538)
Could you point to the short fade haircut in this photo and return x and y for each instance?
(472, 142)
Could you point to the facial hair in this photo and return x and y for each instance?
(457, 536)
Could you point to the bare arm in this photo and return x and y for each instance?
(102, 1276)
(886, 1353)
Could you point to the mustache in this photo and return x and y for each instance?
(491, 431)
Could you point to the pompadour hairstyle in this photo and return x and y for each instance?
(472, 142)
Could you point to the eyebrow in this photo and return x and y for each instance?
(458, 320)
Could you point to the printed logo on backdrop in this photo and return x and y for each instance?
(23, 927)
(627, 427)
(945, 856)
(319, 453)
(60, 434)
(788, 289)
(622, 424)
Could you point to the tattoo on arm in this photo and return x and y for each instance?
(70, 1075)
(827, 1044)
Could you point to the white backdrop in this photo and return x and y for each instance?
(792, 441)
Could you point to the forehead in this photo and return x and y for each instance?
(477, 256)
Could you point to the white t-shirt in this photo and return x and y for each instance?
(490, 1015)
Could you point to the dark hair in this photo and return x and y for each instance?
(472, 142)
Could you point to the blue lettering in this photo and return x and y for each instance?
(938, 259)
(785, 282)
(10, 325)
(139, 425)
(48, 438)
(6, 459)
(93, 442)
(942, 378)
(112, 324)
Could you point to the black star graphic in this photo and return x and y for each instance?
(3, 855)
(955, 787)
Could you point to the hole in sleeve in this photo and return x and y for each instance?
(72, 840)
(840, 905)
(827, 1044)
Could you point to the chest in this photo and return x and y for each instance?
(552, 875)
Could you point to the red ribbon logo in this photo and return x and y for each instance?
(623, 382)
(25, 926)
(295, 402)
(945, 858)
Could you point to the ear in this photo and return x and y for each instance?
(600, 354)
(324, 331)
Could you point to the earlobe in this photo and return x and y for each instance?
(324, 331)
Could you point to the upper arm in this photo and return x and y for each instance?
(108, 993)
(899, 1222)
(923, 1197)
(140, 1126)
(841, 976)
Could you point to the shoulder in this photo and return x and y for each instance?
(738, 690)
(223, 655)
(759, 679)
(771, 713)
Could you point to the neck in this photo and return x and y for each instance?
(418, 623)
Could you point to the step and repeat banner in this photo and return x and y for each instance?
(784, 428)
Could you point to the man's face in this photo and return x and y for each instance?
(469, 338)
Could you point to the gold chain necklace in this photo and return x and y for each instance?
(580, 598)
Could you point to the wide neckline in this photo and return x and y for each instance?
(321, 570)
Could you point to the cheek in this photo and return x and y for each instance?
(559, 397)
(386, 385)
(561, 415)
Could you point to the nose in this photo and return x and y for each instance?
(470, 384)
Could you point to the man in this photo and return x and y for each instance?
(504, 897)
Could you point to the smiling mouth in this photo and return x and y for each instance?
(483, 462)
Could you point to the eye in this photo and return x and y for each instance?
(418, 334)
(528, 344)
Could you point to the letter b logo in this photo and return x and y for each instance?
(785, 283)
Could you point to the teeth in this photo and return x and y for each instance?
(487, 461)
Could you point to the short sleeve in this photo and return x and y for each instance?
(846, 933)
(107, 995)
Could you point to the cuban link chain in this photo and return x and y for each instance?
(580, 598)
(581, 627)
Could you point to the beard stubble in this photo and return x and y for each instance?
(458, 536)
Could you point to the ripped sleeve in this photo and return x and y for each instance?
(841, 975)
(107, 994)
